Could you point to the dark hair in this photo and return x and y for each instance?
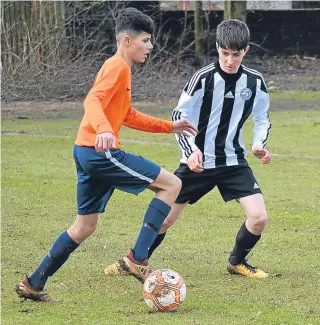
(133, 21)
(233, 34)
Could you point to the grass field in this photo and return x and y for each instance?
(38, 203)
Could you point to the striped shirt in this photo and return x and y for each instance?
(218, 104)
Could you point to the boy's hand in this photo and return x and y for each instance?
(104, 141)
(262, 154)
(184, 127)
(195, 162)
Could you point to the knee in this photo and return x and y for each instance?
(89, 229)
(259, 220)
(174, 184)
(178, 184)
(84, 231)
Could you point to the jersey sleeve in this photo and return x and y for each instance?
(105, 86)
(260, 113)
(191, 98)
(143, 122)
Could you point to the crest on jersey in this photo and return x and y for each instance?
(245, 93)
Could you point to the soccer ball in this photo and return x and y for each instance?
(164, 290)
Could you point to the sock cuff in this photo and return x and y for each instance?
(156, 213)
(64, 245)
(68, 240)
(161, 206)
(162, 235)
(247, 233)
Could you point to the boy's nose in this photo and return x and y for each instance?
(229, 61)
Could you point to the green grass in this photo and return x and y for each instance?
(38, 199)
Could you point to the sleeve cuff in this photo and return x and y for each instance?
(258, 145)
(170, 126)
(105, 127)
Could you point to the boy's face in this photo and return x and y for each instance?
(139, 47)
(230, 60)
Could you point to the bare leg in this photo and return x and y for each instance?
(250, 232)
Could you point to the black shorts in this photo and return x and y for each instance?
(233, 182)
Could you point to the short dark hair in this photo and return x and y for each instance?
(233, 34)
(133, 21)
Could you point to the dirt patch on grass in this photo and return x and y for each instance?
(74, 109)
(42, 110)
(294, 105)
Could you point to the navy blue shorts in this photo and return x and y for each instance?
(99, 173)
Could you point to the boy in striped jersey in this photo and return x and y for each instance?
(218, 99)
(103, 167)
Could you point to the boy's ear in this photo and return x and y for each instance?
(217, 46)
(246, 49)
(126, 40)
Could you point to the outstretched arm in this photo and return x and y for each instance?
(143, 122)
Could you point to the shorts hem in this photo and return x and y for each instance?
(228, 199)
(185, 201)
(141, 189)
(80, 213)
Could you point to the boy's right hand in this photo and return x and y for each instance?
(104, 141)
(195, 162)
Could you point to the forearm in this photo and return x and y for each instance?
(184, 110)
(261, 132)
(262, 125)
(143, 122)
(187, 144)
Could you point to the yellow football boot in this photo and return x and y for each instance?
(115, 270)
(247, 270)
(128, 265)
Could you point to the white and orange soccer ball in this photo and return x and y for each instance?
(164, 290)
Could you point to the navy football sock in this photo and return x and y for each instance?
(57, 256)
(153, 220)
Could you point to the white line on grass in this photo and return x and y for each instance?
(24, 134)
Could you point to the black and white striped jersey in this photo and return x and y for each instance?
(218, 104)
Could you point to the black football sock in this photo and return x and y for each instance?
(245, 241)
(156, 243)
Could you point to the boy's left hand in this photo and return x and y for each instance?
(184, 127)
(262, 153)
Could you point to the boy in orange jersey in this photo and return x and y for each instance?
(102, 166)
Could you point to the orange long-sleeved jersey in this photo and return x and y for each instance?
(108, 106)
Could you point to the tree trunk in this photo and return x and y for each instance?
(60, 27)
(235, 10)
(197, 32)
